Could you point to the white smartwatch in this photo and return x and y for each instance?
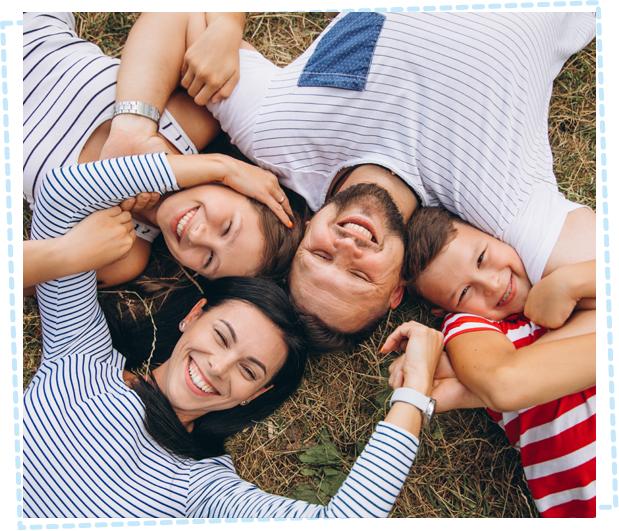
(137, 107)
(424, 403)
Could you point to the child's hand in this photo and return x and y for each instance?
(551, 301)
(451, 393)
(211, 64)
(100, 239)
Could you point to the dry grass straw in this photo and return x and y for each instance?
(465, 467)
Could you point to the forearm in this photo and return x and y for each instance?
(153, 55)
(152, 59)
(45, 260)
(532, 375)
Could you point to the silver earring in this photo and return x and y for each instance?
(244, 403)
(182, 325)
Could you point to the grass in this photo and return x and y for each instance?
(465, 466)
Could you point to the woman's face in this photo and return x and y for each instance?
(212, 230)
(226, 355)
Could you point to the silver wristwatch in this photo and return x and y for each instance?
(136, 107)
(424, 403)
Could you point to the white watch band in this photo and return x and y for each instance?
(425, 404)
(136, 107)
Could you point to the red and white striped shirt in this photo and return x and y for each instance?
(556, 440)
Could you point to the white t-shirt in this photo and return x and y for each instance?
(454, 104)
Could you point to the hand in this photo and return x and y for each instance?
(551, 301)
(259, 184)
(132, 135)
(211, 64)
(100, 239)
(416, 368)
(451, 393)
(143, 201)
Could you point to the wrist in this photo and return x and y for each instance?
(419, 383)
(134, 124)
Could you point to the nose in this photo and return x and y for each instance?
(199, 235)
(346, 248)
(220, 364)
(490, 283)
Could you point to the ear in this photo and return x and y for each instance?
(438, 312)
(258, 393)
(195, 311)
(396, 297)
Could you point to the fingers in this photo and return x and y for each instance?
(280, 211)
(143, 201)
(226, 90)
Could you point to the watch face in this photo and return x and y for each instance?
(429, 412)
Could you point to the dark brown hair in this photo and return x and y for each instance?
(210, 430)
(281, 243)
(429, 230)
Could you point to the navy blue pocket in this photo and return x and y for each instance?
(343, 57)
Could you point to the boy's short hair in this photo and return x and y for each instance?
(429, 230)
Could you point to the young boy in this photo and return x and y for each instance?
(546, 389)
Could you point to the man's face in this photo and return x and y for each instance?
(346, 271)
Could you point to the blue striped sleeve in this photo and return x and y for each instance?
(370, 490)
(68, 195)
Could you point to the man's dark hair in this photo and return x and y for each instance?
(324, 339)
(210, 430)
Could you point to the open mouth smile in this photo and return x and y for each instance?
(204, 387)
(359, 227)
(509, 293)
(182, 223)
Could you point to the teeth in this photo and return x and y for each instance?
(509, 292)
(360, 229)
(198, 381)
(184, 220)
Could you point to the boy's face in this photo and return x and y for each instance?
(477, 274)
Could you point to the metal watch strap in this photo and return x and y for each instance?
(424, 403)
(137, 107)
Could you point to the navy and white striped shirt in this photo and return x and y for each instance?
(86, 452)
(69, 90)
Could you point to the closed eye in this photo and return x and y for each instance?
(362, 277)
(322, 255)
(464, 292)
(208, 262)
(228, 229)
(250, 373)
(223, 339)
(481, 257)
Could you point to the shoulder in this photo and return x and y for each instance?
(462, 323)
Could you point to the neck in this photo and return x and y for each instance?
(402, 195)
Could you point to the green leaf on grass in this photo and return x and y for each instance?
(307, 493)
(308, 472)
(332, 481)
(360, 446)
(325, 453)
(437, 434)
